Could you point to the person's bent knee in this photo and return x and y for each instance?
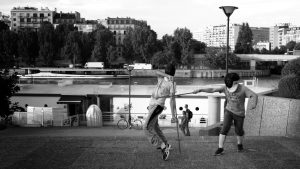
(240, 132)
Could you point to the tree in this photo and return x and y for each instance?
(217, 59)
(282, 49)
(61, 34)
(8, 85)
(290, 45)
(8, 46)
(264, 51)
(244, 41)
(184, 38)
(112, 54)
(3, 26)
(198, 47)
(87, 47)
(160, 59)
(47, 43)
(104, 39)
(72, 49)
(297, 46)
(140, 44)
(28, 47)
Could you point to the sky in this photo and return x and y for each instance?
(164, 16)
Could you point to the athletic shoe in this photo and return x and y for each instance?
(166, 152)
(219, 151)
(240, 147)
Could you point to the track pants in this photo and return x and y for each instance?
(151, 127)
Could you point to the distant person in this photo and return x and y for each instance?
(189, 116)
(165, 87)
(184, 123)
(45, 105)
(235, 94)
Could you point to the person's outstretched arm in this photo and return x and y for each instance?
(209, 90)
(172, 100)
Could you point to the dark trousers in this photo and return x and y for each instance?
(238, 122)
(185, 126)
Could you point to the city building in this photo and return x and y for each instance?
(120, 26)
(261, 45)
(216, 36)
(29, 18)
(292, 34)
(87, 26)
(66, 18)
(260, 34)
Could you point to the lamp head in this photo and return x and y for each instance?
(228, 10)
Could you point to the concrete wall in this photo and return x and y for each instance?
(273, 116)
(203, 73)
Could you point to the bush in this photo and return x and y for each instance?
(292, 67)
(289, 86)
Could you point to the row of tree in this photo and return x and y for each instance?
(66, 43)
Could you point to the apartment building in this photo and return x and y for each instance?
(66, 18)
(29, 18)
(216, 36)
(260, 34)
(292, 34)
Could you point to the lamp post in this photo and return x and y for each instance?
(129, 68)
(228, 10)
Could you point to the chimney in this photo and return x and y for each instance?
(60, 14)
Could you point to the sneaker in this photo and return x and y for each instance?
(240, 147)
(166, 152)
(219, 152)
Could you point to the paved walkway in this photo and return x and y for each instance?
(108, 147)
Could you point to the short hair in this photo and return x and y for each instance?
(230, 78)
(170, 69)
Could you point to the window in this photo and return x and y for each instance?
(35, 15)
(28, 14)
(14, 14)
(21, 19)
(41, 15)
(115, 32)
(14, 19)
(29, 20)
(49, 14)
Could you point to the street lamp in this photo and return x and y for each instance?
(129, 68)
(228, 10)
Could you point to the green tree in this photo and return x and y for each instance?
(112, 54)
(290, 45)
(198, 47)
(244, 41)
(47, 43)
(8, 85)
(73, 47)
(264, 51)
(217, 59)
(61, 34)
(28, 46)
(104, 39)
(184, 37)
(3, 26)
(87, 47)
(297, 46)
(282, 49)
(140, 44)
(8, 46)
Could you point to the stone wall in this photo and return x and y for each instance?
(273, 116)
(203, 73)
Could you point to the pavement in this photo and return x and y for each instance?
(112, 148)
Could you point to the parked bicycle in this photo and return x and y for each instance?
(136, 123)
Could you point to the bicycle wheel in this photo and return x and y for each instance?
(138, 124)
(122, 124)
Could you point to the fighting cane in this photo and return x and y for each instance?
(176, 118)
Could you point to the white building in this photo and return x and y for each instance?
(29, 18)
(216, 36)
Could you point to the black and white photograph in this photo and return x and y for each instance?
(149, 84)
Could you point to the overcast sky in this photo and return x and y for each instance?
(164, 16)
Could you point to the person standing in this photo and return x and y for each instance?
(189, 116)
(235, 94)
(165, 87)
(184, 120)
